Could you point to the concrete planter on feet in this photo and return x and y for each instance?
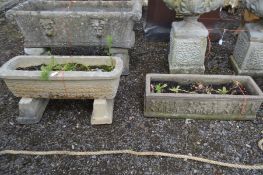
(95, 85)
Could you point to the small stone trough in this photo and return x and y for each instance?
(202, 106)
(100, 86)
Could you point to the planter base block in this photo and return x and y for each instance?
(188, 41)
(102, 112)
(253, 73)
(248, 53)
(35, 51)
(188, 70)
(124, 55)
(31, 110)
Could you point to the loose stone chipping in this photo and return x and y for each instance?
(64, 85)
(202, 106)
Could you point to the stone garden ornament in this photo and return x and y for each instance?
(189, 37)
(248, 54)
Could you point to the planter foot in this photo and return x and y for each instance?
(35, 51)
(102, 112)
(31, 110)
(124, 55)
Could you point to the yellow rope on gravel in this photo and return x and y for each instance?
(260, 144)
(136, 153)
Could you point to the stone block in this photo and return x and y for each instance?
(31, 110)
(35, 51)
(248, 54)
(102, 111)
(124, 55)
(188, 41)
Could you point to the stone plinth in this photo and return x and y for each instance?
(188, 41)
(248, 53)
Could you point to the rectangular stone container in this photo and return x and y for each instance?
(202, 106)
(62, 85)
(76, 23)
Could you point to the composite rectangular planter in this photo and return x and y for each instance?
(47, 23)
(62, 85)
(202, 106)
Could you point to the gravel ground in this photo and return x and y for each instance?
(66, 124)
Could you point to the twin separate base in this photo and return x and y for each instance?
(31, 111)
(119, 52)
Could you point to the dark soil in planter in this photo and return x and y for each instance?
(66, 123)
(70, 67)
(232, 88)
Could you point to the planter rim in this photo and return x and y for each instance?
(7, 72)
(135, 13)
(216, 96)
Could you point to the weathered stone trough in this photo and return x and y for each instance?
(76, 23)
(47, 24)
(202, 106)
(100, 86)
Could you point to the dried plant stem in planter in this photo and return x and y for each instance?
(219, 97)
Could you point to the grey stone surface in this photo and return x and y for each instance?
(31, 110)
(196, 7)
(124, 55)
(79, 23)
(202, 106)
(188, 41)
(62, 85)
(35, 51)
(7, 4)
(256, 6)
(102, 111)
(248, 54)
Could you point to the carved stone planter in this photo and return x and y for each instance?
(202, 106)
(248, 54)
(101, 86)
(77, 23)
(188, 38)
